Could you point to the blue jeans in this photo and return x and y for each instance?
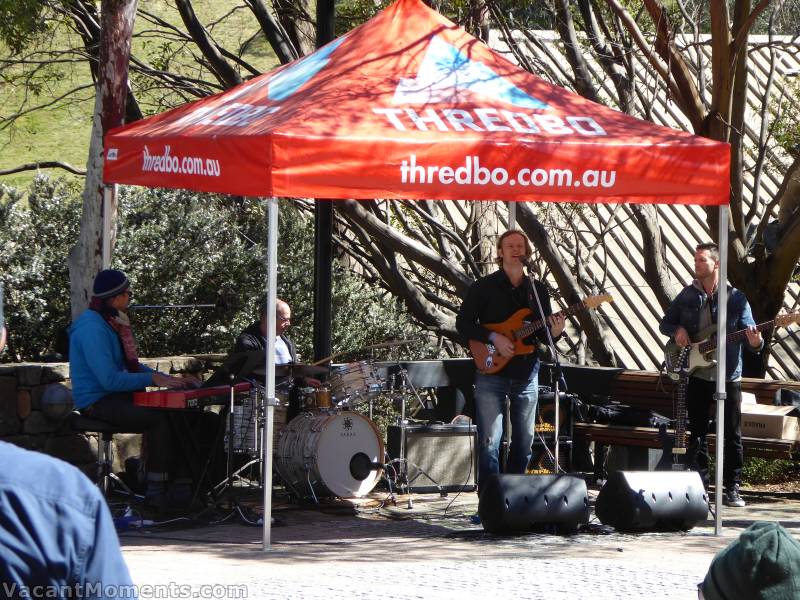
(490, 395)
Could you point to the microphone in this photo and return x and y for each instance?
(526, 261)
(361, 466)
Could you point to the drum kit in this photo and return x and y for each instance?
(330, 449)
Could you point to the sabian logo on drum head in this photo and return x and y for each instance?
(347, 426)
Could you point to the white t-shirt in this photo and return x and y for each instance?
(282, 354)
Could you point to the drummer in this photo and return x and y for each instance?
(254, 338)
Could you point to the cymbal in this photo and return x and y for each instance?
(389, 344)
(294, 370)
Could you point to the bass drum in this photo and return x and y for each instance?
(327, 453)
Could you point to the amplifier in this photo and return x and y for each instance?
(543, 459)
(437, 454)
(546, 418)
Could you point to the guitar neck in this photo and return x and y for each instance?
(711, 344)
(680, 410)
(538, 324)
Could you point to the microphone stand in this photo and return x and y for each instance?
(557, 368)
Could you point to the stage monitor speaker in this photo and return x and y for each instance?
(652, 500)
(520, 503)
(437, 454)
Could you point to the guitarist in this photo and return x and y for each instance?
(492, 299)
(693, 310)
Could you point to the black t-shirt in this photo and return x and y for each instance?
(493, 299)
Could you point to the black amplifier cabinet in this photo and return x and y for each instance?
(543, 458)
(545, 419)
(437, 454)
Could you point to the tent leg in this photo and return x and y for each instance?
(722, 319)
(269, 378)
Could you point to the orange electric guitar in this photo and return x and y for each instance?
(516, 328)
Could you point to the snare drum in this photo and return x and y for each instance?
(320, 454)
(316, 398)
(355, 382)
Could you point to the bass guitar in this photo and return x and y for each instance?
(516, 328)
(705, 343)
(673, 457)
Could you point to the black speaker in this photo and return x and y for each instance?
(520, 503)
(659, 500)
(437, 454)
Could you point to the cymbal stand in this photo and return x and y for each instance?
(227, 483)
(402, 474)
(259, 409)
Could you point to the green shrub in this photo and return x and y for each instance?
(35, 237)
(179, 247)
(756, 471)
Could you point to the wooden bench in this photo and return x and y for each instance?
(648, 390)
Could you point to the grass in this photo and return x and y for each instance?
(62, 132)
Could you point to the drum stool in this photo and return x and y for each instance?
(106, 478)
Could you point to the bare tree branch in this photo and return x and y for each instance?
(45, 164)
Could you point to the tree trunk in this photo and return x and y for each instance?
(85, 258)
(276, 36)
(655, 270)
(295, 18)
(570, 290)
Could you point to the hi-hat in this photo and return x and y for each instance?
(243, 364)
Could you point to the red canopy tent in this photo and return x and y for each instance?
(409, 105)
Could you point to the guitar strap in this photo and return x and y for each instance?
(705, 317)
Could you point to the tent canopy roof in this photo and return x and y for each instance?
(408, 105)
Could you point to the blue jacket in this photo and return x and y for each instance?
(55, 531)
(96, 362)
(684, 311)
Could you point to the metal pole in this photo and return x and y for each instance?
(323, 265)
(512, 214)
(722, 319)
(269, 377)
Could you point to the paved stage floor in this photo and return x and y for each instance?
(432, 550)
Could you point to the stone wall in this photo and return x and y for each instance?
(35, 405)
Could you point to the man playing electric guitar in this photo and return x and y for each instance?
(692, 311)
(493, 299)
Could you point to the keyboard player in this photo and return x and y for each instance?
(105, 371)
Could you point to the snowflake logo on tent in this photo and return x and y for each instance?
(287, 82)
(446, 70)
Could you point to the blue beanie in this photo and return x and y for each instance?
(109, 283)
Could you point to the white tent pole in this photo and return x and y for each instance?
(512, 214)
(722, 332)
(269, 378)
(109, 192)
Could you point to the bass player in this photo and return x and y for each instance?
(693, 310)
(492, 299)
